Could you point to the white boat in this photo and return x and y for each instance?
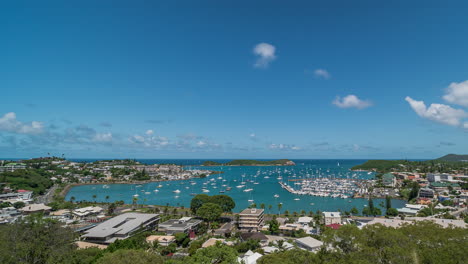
(206, 190)
(147, 192)
(250, 201)
(248, 190)
(135, 195)
(276, 195)
(240, 186)
(297, 199)
(105, 186)
(160, 186)
(156, 190)
(176, 191)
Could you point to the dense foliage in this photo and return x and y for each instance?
(224, 201)
(36, 180)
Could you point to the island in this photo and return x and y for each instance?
(244, 162)
(454, 157)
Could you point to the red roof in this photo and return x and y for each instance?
(20, 191)
(334, 226)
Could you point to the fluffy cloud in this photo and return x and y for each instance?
(351, 101)
(457, 93)
(321, 73)
(103, 137)
(9, 123)
(265, 53)
(149, 132)
(438, 112)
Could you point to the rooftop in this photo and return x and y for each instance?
(309, 242)
(119, 225)
(252, 211)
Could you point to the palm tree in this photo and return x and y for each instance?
(262, 205)
(303, 212)
(134, 200)
(280, 205)
(94, 197)
(72, 199)
(269, 207)
(107, 197)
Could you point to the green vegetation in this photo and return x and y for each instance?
(406, 165)
(225, 202)
(454, 157)
(36, 180)
(424, 242)
(280, 162)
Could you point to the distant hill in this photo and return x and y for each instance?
(454, 157)
(280, 162)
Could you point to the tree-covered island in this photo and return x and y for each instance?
(245, 162)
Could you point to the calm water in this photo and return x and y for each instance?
(233, 176)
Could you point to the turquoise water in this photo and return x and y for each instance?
(263, 192)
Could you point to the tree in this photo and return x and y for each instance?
(280, 205)
(220, 254)
(354, 211)
(273, 226)
(262, 206)
(269, 207)
(388, 200)
(19, 205)
(111, 209)
(94, 197)
(209, 212)
(107, 198)
(225, 201)
(392, 212)
(72, 199)
(130, 256)
(182, 239)
(35, 240)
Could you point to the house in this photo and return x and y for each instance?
(411, 209)
(212, 241)
(87, 211)
(436, 177)
(332, 218)
(249, 257)
(304, 220)
(36, 208)
(251, 219)
(120, 227)
(182, 225)
(225, 230)
(10, 167)
(255, 236)
(161, 240)
(309, 243)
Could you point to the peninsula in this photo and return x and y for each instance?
(447, 164)
(242, 162)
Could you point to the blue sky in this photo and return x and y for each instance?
(239, 79)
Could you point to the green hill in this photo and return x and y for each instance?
(280, 162)
(454, 157)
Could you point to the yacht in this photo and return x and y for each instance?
(176, 191)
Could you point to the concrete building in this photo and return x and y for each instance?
(309, 243)
(388, 179)
(121, 227)
(426, 193)
(437, 177)
(162, 240)
(182, 225)
(332, 218)
(251, 219)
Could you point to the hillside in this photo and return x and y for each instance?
(454, 157)
(281, 162)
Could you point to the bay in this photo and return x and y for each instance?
(263, 193)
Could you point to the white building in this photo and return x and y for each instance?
(309, 243)
(332, 218)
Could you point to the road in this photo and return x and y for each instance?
(48, 196)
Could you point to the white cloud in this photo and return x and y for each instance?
(457, 93)
(149, 132)
(201, 143)
(322, 73)
(265, 53)
(9, 123)
(351, 101)
(103, 137)
(283, 147)
(438, 112)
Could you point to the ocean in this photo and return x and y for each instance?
(263, 193)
